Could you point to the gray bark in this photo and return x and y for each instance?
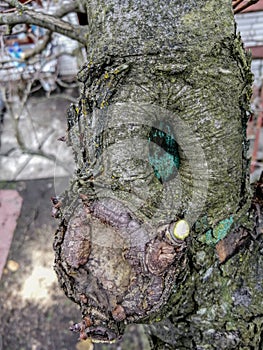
(159, 140)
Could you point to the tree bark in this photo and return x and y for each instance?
(157, 226)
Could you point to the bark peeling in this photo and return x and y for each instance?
(183, 66)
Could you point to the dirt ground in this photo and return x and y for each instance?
(35, 314)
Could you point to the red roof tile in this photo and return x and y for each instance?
(10, 207)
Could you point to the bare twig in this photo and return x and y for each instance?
(50, 22)
(14, 8)
(39, 47)
(64, 96)
(19, 138)
(67, 8)
(66, 85)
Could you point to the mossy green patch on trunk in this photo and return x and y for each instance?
(158, 66)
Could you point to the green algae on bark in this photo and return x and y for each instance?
(183, 66)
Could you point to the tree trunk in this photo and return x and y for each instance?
(156, 225)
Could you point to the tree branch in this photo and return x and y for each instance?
(38, 48)
(50, 22)
(67, 8)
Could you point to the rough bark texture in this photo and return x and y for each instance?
(159, 142)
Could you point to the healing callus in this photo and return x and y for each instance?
(159, 142)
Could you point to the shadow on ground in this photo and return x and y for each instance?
(35, 313)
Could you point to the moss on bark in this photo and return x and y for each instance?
(202, 78)
(183, 64)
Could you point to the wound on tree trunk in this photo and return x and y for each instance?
(156, 224)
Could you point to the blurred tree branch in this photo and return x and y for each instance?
(54, 23)
(39, 47)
